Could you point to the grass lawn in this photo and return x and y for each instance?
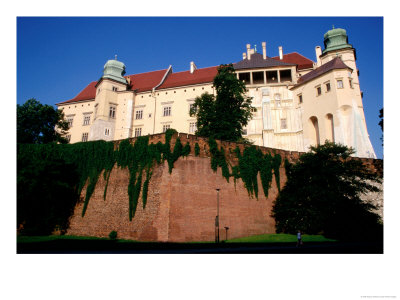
(280, 238)
(264, 238)
(267, 243)
(38, 239)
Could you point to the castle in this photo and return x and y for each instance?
(296, 102)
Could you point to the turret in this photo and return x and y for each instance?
(114, 70)
(335, 39)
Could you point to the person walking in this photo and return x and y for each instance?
(299, 241)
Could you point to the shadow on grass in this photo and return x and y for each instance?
(79, 245)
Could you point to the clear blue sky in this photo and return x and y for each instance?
(58, 57)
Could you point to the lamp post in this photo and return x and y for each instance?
(217, 219)
(226, 233)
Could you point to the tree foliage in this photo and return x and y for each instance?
(322, 195)
(223, 116)
(37, 123)
(46, 191)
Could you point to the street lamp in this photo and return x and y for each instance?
(217, 219)
(226, 233)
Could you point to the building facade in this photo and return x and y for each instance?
(296, 102)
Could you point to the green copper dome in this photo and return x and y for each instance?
(336, 39)
(115, 70)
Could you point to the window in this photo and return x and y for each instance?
(114, 88)
(339, 83)
(86, 120)
(283, 124)
(85, 137)
(70, 120)
(192, 107)
(328, 86)
(192, 127)
(351, 82)
(253, 110)
(112, 112)
(318, 90)
(98, 91)
(285, 75)
(272, 76)
(139, 114)
(107, 131)
(68, 137)
(245, 77)
(258, 77)
(300, 98)
(138, 132)
(165, 128)
(167, 111)
(244, 131)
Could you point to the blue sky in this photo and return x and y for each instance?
(58, 57)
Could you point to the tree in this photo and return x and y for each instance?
(40, 124)
(223, 116)
(322, 195)
(46, 190)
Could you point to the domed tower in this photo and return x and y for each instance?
(348, 113)
(336, 39)
(111, 89)
(114, 70)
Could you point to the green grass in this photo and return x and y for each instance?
(264, 238)
(280, 238)
(38, 239)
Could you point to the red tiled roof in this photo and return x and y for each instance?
(335, 63)
(140, 82)
(199, 76)
(296, 58)
(146, 81)
(87, 93)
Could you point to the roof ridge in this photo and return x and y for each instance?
(195, 70)
(146, 72)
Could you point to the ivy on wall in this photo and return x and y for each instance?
(250, 163)
(91, 158)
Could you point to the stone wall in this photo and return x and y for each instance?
(182, 206)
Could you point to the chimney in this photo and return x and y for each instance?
(192, 67)
(280, 53)
(264, 46)
(244, 55)
(248, 51)
(318, 53)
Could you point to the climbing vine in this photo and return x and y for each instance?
(90, 159)
(218, 158)
(196, 149)
(250, 163)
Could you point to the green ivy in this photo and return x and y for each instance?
(196, 149)
(218, 158)
(250, 163)
(91, 158)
